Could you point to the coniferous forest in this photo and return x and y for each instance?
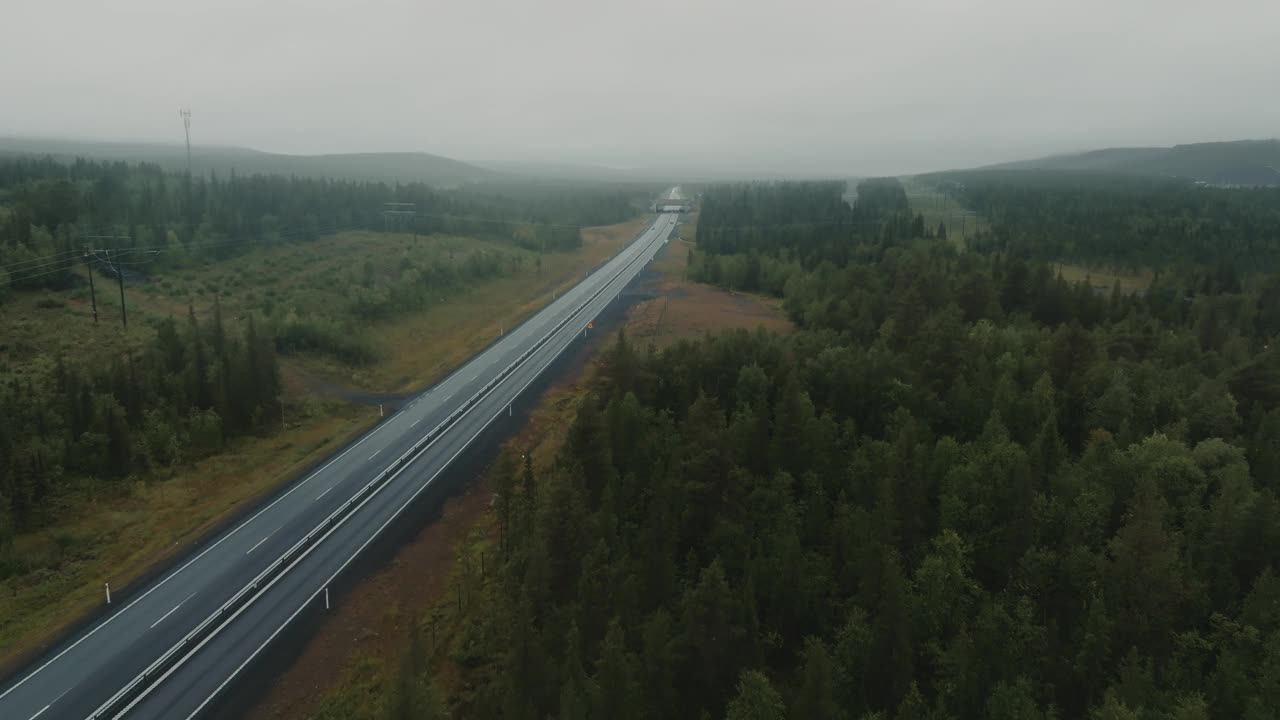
(964, 488)
(52, 211)
(198, 382)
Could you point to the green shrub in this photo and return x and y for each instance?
(296, 334)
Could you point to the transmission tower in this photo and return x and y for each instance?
(186, 125)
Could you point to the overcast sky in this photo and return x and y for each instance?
(840, 86)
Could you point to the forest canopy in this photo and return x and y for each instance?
(50, 212)
(139, 407)
(1123, 220)
(964, 488)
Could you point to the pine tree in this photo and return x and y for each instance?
(577, 690)
(755, 699)
(616, 692)
(816, 697)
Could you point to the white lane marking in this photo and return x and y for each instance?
(255, 545)
(375, 453)
(175, 608)
(175, 573)
(415, 422)
(46, 707)
(326, 492)
(375, 534)
(206, 551)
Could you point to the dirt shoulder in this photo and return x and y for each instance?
(126, 537)
(345, 663)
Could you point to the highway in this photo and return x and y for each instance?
(181, 641)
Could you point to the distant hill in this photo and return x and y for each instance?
(1242, 162)
(663, 173)
(565, 171)
(386, 167)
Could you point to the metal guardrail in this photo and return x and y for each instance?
(133, 692)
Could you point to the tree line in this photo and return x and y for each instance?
(48, 208)
(1132, 222)
(192, 388)
(73, 427)
(963, 488)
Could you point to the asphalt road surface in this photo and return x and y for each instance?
(180, 642)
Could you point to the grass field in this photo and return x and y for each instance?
(1104, 279)
(115, 537)
(683, 309)
(422, 584)
(936, 207)
(963, 224)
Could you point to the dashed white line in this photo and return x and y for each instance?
(415, 422)
(51, 703)
(326, 492)
(175, 608)
(375, 453)
(185, 565)
(255, 545)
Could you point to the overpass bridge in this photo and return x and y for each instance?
(671, 205)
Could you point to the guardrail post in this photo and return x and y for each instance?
(326, 598)
(508, 409)
(107, 586)
(380, 413)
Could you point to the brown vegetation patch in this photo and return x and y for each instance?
(683, 309)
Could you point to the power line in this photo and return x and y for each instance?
(244, 239)
(34, 263)
(75, 256)
(70, 258)
(115, 267)
(37, 267)
(66, 253)
(13, 280)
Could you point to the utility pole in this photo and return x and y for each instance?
(93, 295)
(115, 267)
(186, 126)
(124, 316)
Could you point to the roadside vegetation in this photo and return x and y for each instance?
(119, 446)
(415, 644)
(964, 487)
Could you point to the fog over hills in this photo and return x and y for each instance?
(1240, 162)
(380, 166)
